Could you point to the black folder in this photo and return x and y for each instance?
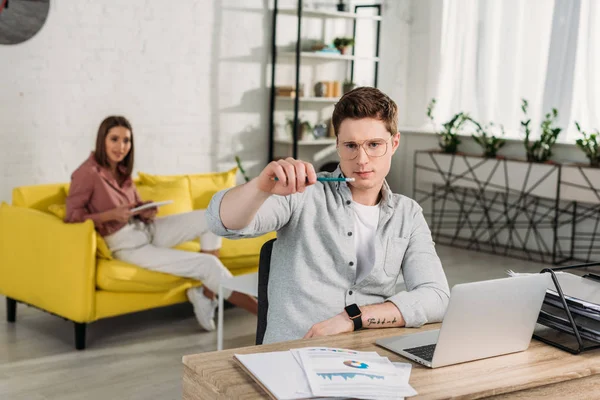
(570, 322)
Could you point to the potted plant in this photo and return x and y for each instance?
(448, 137)
(342, 44)
(540, 150)
(590, 146)
(347, 86)
(582, 183)
(490, 143)
(341, 6)
(304, 128)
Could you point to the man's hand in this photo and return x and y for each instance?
(293, 177)
(240, 204)
(383, 315)
(339, 324)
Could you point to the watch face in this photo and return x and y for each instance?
(353, 310)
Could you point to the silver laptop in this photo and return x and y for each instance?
(483, 319)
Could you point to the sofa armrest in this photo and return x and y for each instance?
(48, 263)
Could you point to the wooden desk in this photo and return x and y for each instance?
(540, 372)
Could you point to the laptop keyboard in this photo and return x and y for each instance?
(424, 352)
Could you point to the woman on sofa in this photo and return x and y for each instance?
(102, 190)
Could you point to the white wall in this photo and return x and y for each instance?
(190, 75)
(193, 79)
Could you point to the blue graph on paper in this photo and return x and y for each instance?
(348, 375)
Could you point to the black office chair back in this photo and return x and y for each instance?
(264, 267)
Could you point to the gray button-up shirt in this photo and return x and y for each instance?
(313, 263)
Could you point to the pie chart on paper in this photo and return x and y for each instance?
(356, 364)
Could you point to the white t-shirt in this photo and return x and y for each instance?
(366, 219)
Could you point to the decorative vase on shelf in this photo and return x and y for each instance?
(320, 130)
(320, 88)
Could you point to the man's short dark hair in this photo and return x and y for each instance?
(366, 102)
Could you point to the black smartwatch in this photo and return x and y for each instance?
(355, 315)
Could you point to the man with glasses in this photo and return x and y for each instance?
(342, 247)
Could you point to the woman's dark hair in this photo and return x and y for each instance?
(100, 152)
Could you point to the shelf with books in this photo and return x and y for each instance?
(322, 39)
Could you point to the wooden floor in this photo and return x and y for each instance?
(138, 356)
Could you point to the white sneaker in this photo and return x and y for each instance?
(204, 308)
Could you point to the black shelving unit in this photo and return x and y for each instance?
(298, 62)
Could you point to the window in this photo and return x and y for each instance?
(494, 53)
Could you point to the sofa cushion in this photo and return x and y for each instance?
(202, 186)
(193, 246)
(239, 256)
(119, 276)
(205, 186)
(244, 247)
(102, 250)
(177, 190)
(233, 248)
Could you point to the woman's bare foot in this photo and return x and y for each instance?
(241, 300)
(244, 301)
(209, 293)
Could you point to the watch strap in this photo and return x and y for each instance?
(355, 316)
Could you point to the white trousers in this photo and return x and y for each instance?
(149, 246)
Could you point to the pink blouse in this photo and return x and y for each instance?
(94, 190)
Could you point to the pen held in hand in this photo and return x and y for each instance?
(326, 179)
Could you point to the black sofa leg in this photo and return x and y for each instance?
(11, 309)
(79, 335)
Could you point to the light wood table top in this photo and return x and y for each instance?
(539, 372)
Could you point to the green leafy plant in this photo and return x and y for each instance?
(590, 146)
(304, 126)
(347, 86)
(448, 137)
(540, 150)
(490, 143)
(242, 170)
(341, 43)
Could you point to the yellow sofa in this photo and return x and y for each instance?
(66, 269)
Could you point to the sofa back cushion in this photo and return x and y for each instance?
(40, 197)
(205, 186)
(177, 190)
(202, 186)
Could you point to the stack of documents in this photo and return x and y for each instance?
(583, 299)
(316, 372)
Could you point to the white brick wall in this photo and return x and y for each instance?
(190, 75)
